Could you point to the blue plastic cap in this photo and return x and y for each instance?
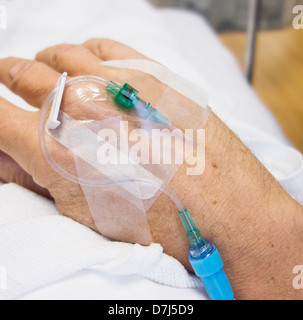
(210, 270)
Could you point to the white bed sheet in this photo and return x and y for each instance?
(181, 41)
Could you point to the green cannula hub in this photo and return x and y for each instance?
(125, 96)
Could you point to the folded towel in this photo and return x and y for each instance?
(38, 246)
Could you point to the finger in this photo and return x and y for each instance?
(79, 59)
(107, 49)
(10, 171)
(73, 59)
(31, 80)
(18, 136)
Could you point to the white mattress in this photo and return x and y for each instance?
(180, 40)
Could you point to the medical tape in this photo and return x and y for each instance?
(84, 143)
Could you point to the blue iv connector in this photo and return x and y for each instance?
(208, 266)
(206, 261)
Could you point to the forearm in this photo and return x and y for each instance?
(241, 208)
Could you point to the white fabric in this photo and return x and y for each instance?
(35, 242)
(40, 246)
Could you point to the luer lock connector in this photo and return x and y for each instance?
(126, 97)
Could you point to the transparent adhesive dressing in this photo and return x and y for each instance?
(115, 193)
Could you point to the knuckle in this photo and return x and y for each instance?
(21, 71)
(108, 42)
(104, 45)
(27, 79)
(61, 54)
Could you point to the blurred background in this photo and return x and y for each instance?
(268, 48)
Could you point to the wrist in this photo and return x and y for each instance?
(233, 203)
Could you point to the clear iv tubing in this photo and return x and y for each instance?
(83, 181)
(204, 257)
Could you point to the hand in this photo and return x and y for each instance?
(236, 203)
(33, 80)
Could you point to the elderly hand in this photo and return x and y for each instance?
(236, 203)
(33, 81)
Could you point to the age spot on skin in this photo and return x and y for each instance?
(272, 280)
(215, 166)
